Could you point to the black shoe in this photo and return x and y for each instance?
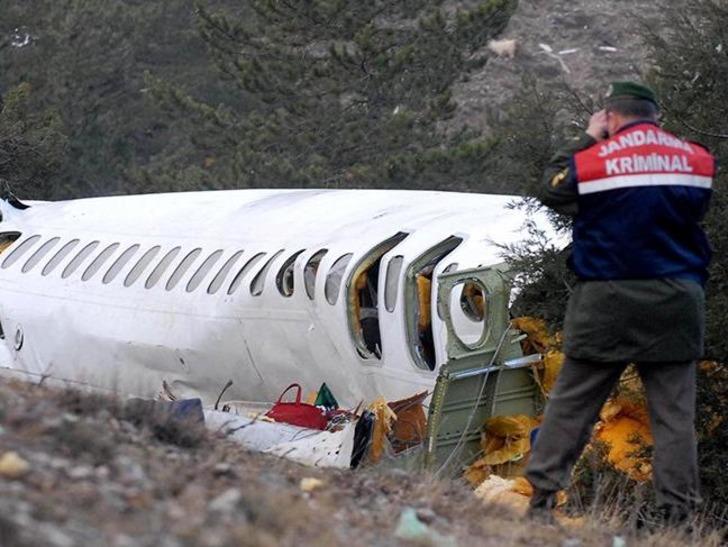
(541, 507)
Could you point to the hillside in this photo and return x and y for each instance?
(92, 474)
(153, 97)
(592, 42)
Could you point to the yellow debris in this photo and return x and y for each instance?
(539, 340)
(259, 417)
(552, 363)
(476, 473)
(625, 429)
(501, 491)
(384, 417)
(309, 484)
(522, 486)
(424, 286)
(311, 397)
(517, 426)
(514, 493)
(12, 466)
(506, 440)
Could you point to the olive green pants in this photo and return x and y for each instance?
(580, 391)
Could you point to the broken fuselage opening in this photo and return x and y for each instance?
(363, 300)
(419, 302)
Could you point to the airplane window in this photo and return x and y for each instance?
(310, 271)
(334, 277)
(468, 302)
(95, 266)
(473, 301)
(203, 270)
(238, 279)
(82, 255)
(363, 298)
(7, 239)
(38, 255)
(19, 251)
(182, 268)
(258, 283)
(119, 263)
(62, 253)
(419, 321)
(284, 279)
(219, 279)
(390, 289)
(160, 268)
(141, 265)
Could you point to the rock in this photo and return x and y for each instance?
(223, 470)
(129, 470)
(426, 515)
(226, 502)
(309, 484)
(122, 540)
(12, 466)
(412, 528)
(55, 537)
(80, 472)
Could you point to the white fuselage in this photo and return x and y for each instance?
(130, 311)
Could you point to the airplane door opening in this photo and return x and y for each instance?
(418, 302)
(363, 299)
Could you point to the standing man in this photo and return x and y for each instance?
(637, 195)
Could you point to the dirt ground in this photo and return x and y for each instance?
(592, 42)
(95, 475)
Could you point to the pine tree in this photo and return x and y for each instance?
(85, 60)
(32, 144)
(338, 93)
(691, 71)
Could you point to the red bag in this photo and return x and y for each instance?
(298, 413)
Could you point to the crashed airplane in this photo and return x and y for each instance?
(377, 293)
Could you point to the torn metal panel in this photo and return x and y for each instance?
(485, 375)
(306, 446)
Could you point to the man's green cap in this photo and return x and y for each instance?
(633, 90)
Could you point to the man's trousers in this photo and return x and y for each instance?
(573, 407)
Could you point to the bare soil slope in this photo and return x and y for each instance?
(592, 42)
(95, 476)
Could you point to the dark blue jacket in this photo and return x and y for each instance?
(638, 199)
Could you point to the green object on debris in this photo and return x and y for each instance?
(412, 528)
(325, 398)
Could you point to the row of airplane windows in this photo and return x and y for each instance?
(284, 277)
